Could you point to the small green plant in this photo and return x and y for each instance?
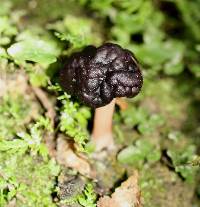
(13, 111)
(7, 30)
(88, 197)
(137, 154)
(23, 152)
(182, 160)
(26, 180)
(77, 31)
(36, 50)
(73, 119)
(28, 141)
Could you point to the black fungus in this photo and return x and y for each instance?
(97, 75)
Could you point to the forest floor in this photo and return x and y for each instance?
(45, 155)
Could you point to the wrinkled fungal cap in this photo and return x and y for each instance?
(97, 75)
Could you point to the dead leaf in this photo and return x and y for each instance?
(127, 195)
(67, 157)
(12, 203)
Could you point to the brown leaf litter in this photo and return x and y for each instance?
(127, 195)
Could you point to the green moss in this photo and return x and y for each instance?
(27, 179)
(13, 111)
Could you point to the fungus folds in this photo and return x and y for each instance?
(97, 75)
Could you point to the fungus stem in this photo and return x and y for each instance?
(102, 136)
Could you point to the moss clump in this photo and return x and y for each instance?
(28, 180)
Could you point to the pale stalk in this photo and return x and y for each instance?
(102, 136)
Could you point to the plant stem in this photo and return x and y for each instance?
(102, 136)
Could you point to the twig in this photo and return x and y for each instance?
(44, 100)
(51, 114)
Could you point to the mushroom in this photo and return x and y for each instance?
(97, 76)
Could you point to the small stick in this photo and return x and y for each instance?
(50, 113)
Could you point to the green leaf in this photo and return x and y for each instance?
(73, 121)
(3, 53)
(195, 68)
(7, 30)
(150, 125)
(133, 116)
(136, 154)
(130, 155)
(4, 22)
(76, 30)
(88, 197)
(38, 79)
(181, 159)
(154, 156)
(173, 69)
(39, 51)
(15, 144)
